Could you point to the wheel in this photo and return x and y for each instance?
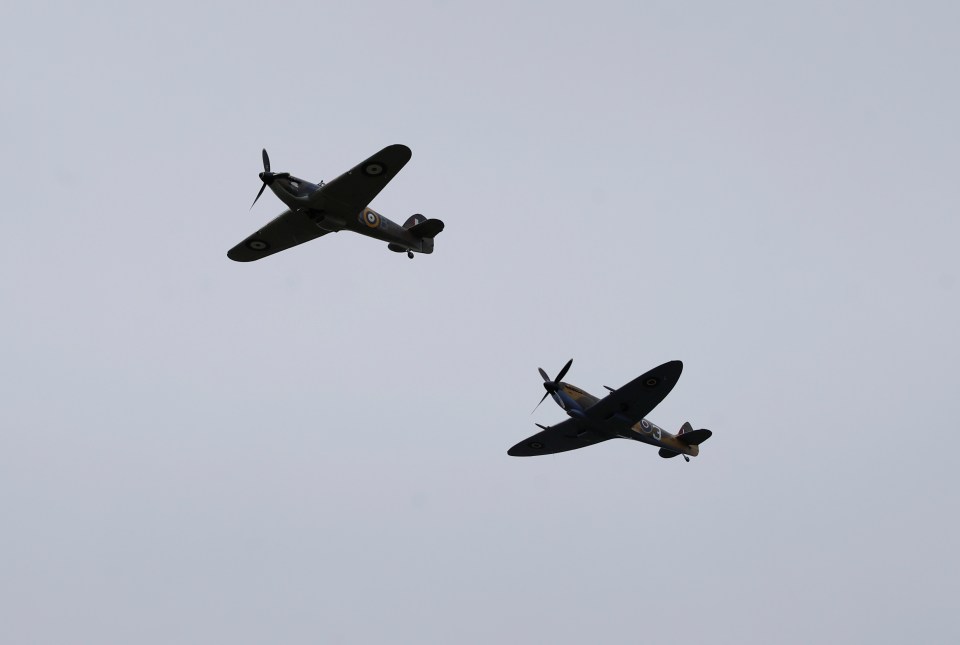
(410, 254)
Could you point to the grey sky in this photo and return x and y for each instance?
(312, 448)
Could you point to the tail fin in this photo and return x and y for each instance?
(413, 220)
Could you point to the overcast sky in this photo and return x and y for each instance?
(312, 448)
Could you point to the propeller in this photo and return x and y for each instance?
(267, 177)
(552, 386)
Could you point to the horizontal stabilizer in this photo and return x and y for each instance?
(427, 229)
(667, 454)
(694, 437)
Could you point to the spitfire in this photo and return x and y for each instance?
(619, 415)
(314, 210)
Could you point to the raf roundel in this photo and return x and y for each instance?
(536, 445)
(653, 381)
(373, 169)
(257, 245)
(371, 219)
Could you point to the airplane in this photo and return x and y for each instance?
(314, 210)
(621, 414)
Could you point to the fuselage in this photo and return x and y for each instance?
(577, 401)
(300, 195)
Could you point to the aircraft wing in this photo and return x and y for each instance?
(355, 189)
(287, 229)
(639, 397)
(566, 435)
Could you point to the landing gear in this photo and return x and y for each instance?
(686, 459)
(410, 254)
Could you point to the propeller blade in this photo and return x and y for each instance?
(541, 401)
(262, 188)
(266, 160)
(551, 386)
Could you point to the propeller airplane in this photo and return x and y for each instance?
(314, 210)
(621, 414)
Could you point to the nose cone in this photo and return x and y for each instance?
(266, 177)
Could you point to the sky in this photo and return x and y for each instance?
(312, 447)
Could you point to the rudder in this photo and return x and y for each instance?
(413, 220)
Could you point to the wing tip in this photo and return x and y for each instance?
(675, 367)
(237, 255)
(529, 447)
(400, 149)
(522, 449)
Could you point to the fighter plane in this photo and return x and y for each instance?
(341, 204)
(620, 414)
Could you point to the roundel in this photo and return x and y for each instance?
(645, 425)
(257, 245)
(536, 445)
(653, 381)
(656, 434)
(373, 168)
(371, 219)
